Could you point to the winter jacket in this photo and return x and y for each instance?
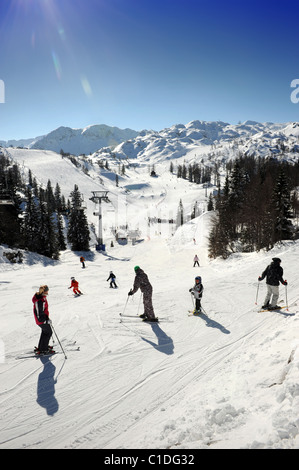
(40, 308)
(273, 274)
(197, 291)
(74, 284)
(112, 277)
(141, 282)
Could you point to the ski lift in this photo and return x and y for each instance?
(98, 196)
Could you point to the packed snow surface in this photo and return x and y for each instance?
(226, 379)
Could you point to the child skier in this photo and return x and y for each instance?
(75, 286)
(195, 261)
(112, 282)
(41, 315)
(82, 260)
(197, 291)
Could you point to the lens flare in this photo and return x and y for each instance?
(86, 86)
(56, 65)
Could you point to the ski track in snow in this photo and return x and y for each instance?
(133, 384)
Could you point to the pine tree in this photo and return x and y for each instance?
(50, 198)
(60, 235)
(59, 200)
(32, 222)
(78, 231)
(210, 203)
(283, 227)
(180, 214)
(48, 245)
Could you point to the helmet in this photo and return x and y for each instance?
(72, 278)
(198, 278)
(136, 268)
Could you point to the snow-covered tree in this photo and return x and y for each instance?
(78, 230)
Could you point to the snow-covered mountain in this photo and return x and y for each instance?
(76, 141)
(217, 140)
(173, 142)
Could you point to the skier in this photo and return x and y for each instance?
(75, 286)
(197, 291)
(196, 261)
(273, 274)
(82, 260)
(112, 282)
(41, 315)
(141, 281)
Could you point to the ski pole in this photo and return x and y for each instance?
(192, 297)
(59, 341)
(287, 297)
(257, 293)
(139, 303)
(125, 305)
(203, 310)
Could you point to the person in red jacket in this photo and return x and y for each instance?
(41, 315)
(75, 286)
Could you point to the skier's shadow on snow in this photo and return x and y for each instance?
(46, 387)
(165, 343)
(213, 323)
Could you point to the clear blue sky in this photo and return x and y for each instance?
(145, 64)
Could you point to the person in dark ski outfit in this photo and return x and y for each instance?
(197, 291)
(41, 315)
(273, 274)
(112, 282)
(141, 282)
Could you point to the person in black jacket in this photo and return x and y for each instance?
(197, 291)
(141, 282)
(112, 282)
(273, 274)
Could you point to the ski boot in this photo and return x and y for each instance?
(197, 312)
(48, 352)
(151, 320)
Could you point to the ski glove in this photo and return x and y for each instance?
(130, 293)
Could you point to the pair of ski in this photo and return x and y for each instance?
(137, 317)
(273, 309)
(34, 353)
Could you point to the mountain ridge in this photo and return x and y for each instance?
(172, 142)
(76, 141)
